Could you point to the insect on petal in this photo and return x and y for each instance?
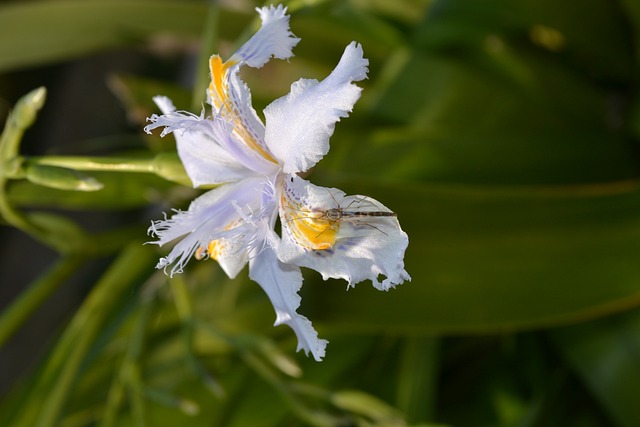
(354, 238)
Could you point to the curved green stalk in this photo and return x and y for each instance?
(165, 165)
(18, 121)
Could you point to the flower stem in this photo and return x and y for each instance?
(19, 120)
(165, 165)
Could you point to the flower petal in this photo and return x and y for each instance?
(273, 39)
(354, 238)
(282, 282)
(209, 151)
(300, 124)
(214, 216)
(229, 95)
(231, 100)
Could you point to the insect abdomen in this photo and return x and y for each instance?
(365, 214)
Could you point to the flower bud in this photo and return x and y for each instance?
(61, 178)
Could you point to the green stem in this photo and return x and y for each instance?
(165, 165)
(10, 215)
(29, 301)
(108, 164)
(18, 121)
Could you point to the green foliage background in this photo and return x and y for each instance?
(504, 133)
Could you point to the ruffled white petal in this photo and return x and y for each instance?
(238, 109)
(210, 152)
(299, 125)
(350, 237)
(273, 39)
(363, 247)
(282, 282)
(164, 104)
(219, 215)
(230, 96)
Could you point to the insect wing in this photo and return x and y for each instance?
(363, 215)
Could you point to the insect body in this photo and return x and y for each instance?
(358, 214)
(340, 214)
(317, 228)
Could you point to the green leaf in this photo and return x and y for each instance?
(605, 356)
(12, 318)
(136, 95)
(632, 9)
(494, 259)
(61, 369)
(476, 100)
(38, 32)
(454, 25)
(58, 231)
(366, 405)
(549, 128)
(417, 377)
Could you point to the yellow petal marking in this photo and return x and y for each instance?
(216, 248)
(218, 91)
(310, 229)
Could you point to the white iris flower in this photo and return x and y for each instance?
(255, 167)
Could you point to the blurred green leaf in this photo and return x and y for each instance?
(366, 405)
(632, 9)
(346, 23)
(605, 356)
(552, 129)
(491, 259)
(37, 32)
(12, 318)
(136, 95)
(54, 384)
(409, 11)
(58, 231)
(455, 24)
(417, 378)
(476, 100)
